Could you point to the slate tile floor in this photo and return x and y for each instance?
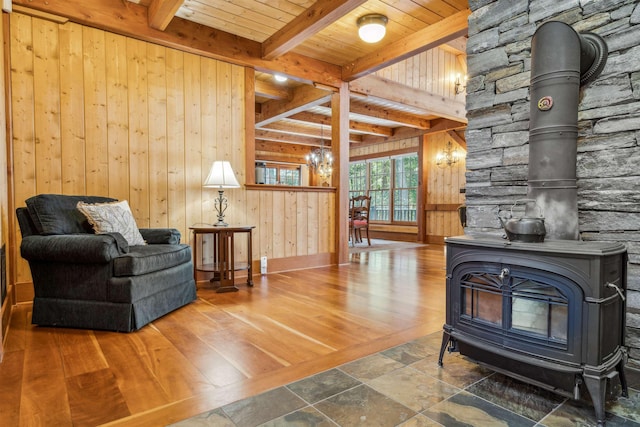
(404, 386)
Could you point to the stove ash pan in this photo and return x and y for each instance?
(551, 314)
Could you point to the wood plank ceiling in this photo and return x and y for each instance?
(313, 43)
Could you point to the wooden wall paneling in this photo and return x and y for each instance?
(313, 232)
(46, 79)
(140, 122)
(291, 223)
(278, 232)
(158, 149)
(117, 116)
(72, 109)
(95, 107)
(194, 175)
(302, 236)
(211, 147)
(137, 78)
(176, 188)
(268, 215)
(22, 99)
(238, 143)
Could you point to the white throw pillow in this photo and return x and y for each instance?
(113, 217)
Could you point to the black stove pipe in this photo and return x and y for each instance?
(561, 61)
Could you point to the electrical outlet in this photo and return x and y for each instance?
(263, 265)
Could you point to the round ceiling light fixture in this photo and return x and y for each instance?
(372, 28)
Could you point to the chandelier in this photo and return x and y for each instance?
(447, 157)
(321, 159)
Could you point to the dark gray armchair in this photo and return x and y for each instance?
(98, 281)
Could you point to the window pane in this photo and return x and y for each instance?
(405, 195)
(380, 184)
(357, 179)
(271, 176)
(405, 205)
(290, 176)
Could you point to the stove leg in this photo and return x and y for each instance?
(445, 341)
(623, 379)
(597, 389)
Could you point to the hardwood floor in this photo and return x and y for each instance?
(223, 347)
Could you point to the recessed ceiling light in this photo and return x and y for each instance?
(372, 28)
(280, 78)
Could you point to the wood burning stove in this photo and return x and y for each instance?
(551, 314)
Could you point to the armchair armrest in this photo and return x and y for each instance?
(168, 236)
(74, 248)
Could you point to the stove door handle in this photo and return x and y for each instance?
(618, 290)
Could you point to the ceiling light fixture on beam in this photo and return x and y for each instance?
(372, 27)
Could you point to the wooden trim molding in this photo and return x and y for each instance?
(442, 207)
(290, 188)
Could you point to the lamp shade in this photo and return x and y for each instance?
(221, 176)
(372, 28)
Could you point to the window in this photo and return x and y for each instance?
(290, 176)
(392, 183)
(357, 179)
(276, 174)
(405, 189)
(379, 189)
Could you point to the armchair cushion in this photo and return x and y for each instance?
(114, 217)
(169, 236)
(57, 213)
(147, 259)
(74, 248)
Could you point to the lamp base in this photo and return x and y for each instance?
(220, 223)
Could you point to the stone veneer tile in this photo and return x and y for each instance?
(308, 416)
(413, 389)
(420, 421)
(264, 407)
(410, 352)
(579, 413)
(455, 370)
(464, 409)
(516, 396)
(323, 385)
(214, 418)
(628, 407)
(364, 406)
(371, 367)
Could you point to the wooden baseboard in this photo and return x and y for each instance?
(5, 317)
(279, 265)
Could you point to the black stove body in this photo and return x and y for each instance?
(551, 314)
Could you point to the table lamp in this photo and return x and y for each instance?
(221, 176)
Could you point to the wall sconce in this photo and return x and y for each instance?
(458, 87)
(447, 157)
(372, 27)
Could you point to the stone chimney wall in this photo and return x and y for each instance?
(608, 163)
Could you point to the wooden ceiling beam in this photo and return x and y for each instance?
(131, 20)
(303, 98)
(458, 139)
(354, 125)
(437, 105)
(320, 15)
(275, 136)
(161, 12)
(288, 149)
(432, 36)
(438, 125)
(272, 91)
(403, 119)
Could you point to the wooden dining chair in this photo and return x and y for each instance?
(359, 218)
